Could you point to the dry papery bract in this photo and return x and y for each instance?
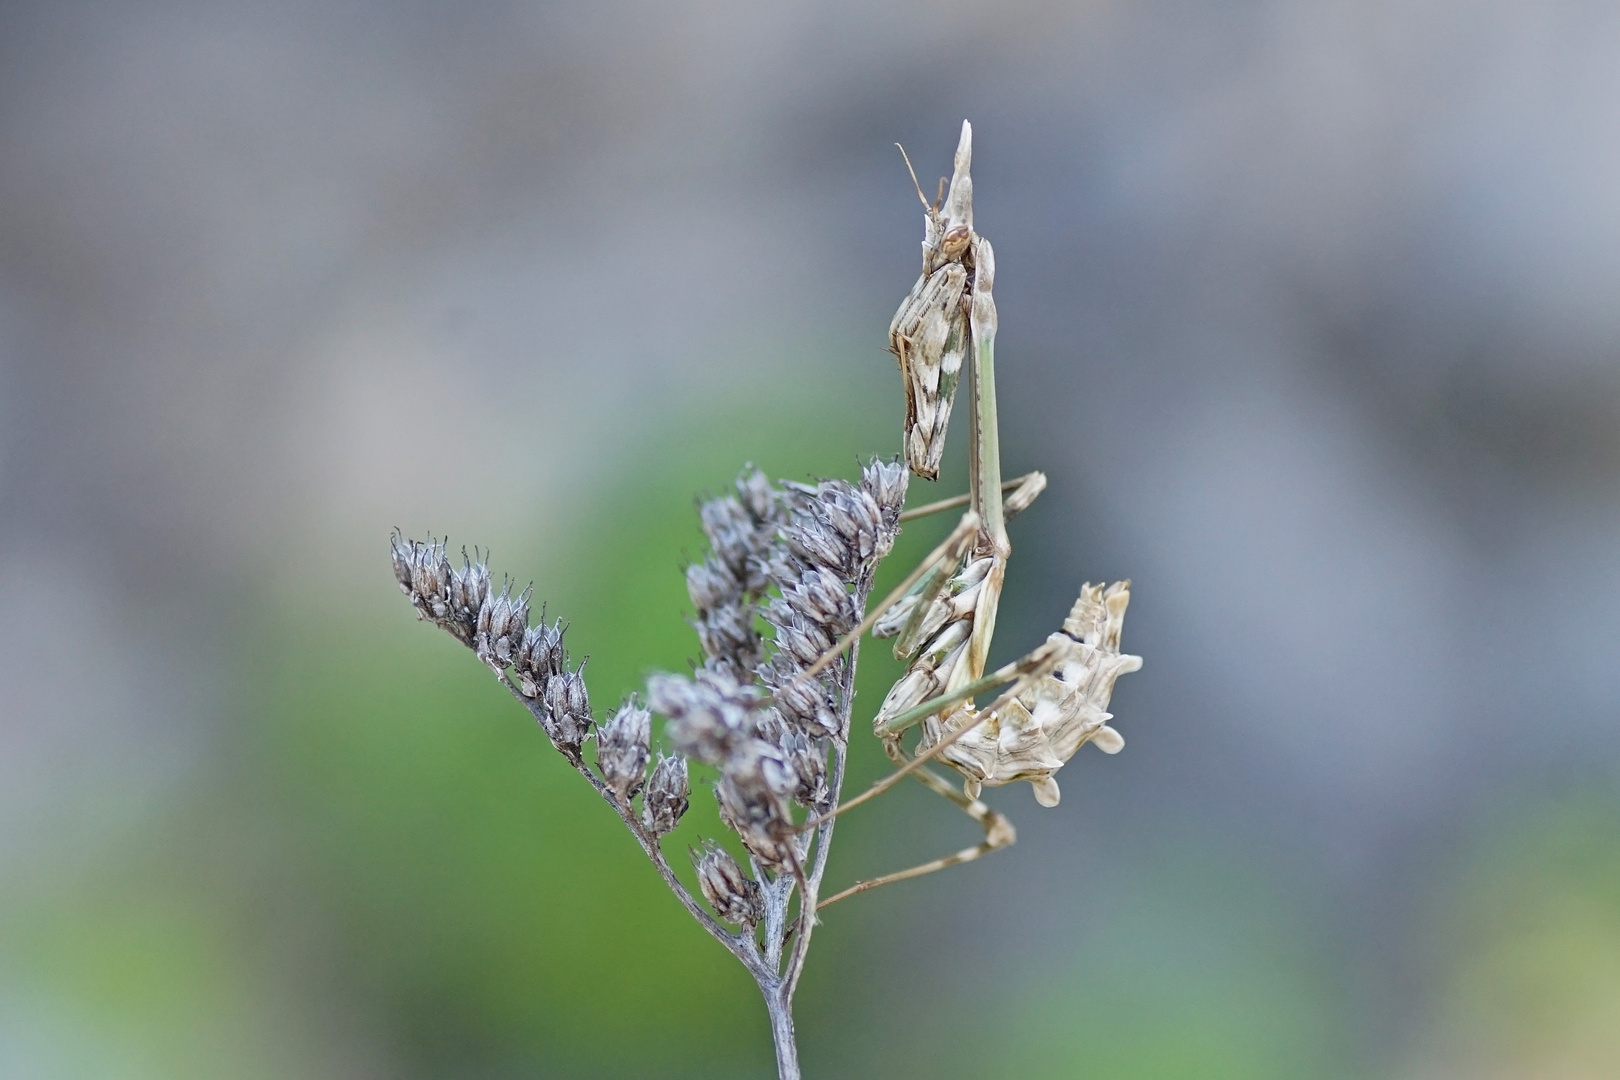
(769, 714)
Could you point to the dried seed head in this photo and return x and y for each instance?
(886, 483)
(707, 716)
(818, 544)
(785, 570)
(852, 512)
(840, 527)
(730, 531)
(430, 578)
(734, 896)
(725, 588)
(665, 799)
(440, 594)
(808, 704)
(539, 658)
(468, 592)
(711, 585)
(501, 626)
(756, 493)
(801, 638)
(567, 713)
(621, 749)
(742, 529)
(402, 550)
(822, 599)
(728, 636)
(751, 794)
(809, 767)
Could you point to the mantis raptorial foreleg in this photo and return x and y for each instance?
(1020, 676)
(1018, 494)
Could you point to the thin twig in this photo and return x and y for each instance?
(740, 945)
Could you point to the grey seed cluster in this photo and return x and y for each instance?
(885, 482)
(755, 784)
(621, 750)
(839, 526)
(539, 658)
(666, 798)
(835, 534)
(734, 896)
(441, 594)
(727, 586)
(806, 762)
(716, 720)
(565, 712)
(821, 598)
(812, 705)
(502, 623)
(709, 715)
(496, 626)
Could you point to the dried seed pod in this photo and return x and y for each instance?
(445, 596)
(730, 531)
(710, 585)
(855, 515)
(502, 623)
(727, 635)
(785, 569)
(567, 713)
(621, 750)
(707, 716)
(539, 657)
(809, 768)
(756, 779)
(750, 806)
(804, 640)
(823, 599)
(806, 703)
(402, 551)
(886, 483)
(430, 579)
(818, 544)
(734, 896)
(468, 593)
(666, 798)
(756, 493)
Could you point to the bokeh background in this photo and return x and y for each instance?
(1310, 310)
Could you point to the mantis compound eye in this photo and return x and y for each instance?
(955, 241)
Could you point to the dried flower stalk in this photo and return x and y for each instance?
(770, 715)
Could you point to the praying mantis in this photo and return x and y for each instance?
(943, 615)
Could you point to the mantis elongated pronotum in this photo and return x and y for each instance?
(944, 614)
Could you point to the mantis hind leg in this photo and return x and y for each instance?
(998, 830)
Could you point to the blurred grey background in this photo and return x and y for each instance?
(1310, 310)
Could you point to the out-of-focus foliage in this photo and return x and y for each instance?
(1530, 943)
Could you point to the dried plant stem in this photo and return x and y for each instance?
(740, 945)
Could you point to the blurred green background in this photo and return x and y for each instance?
(1307, 313)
